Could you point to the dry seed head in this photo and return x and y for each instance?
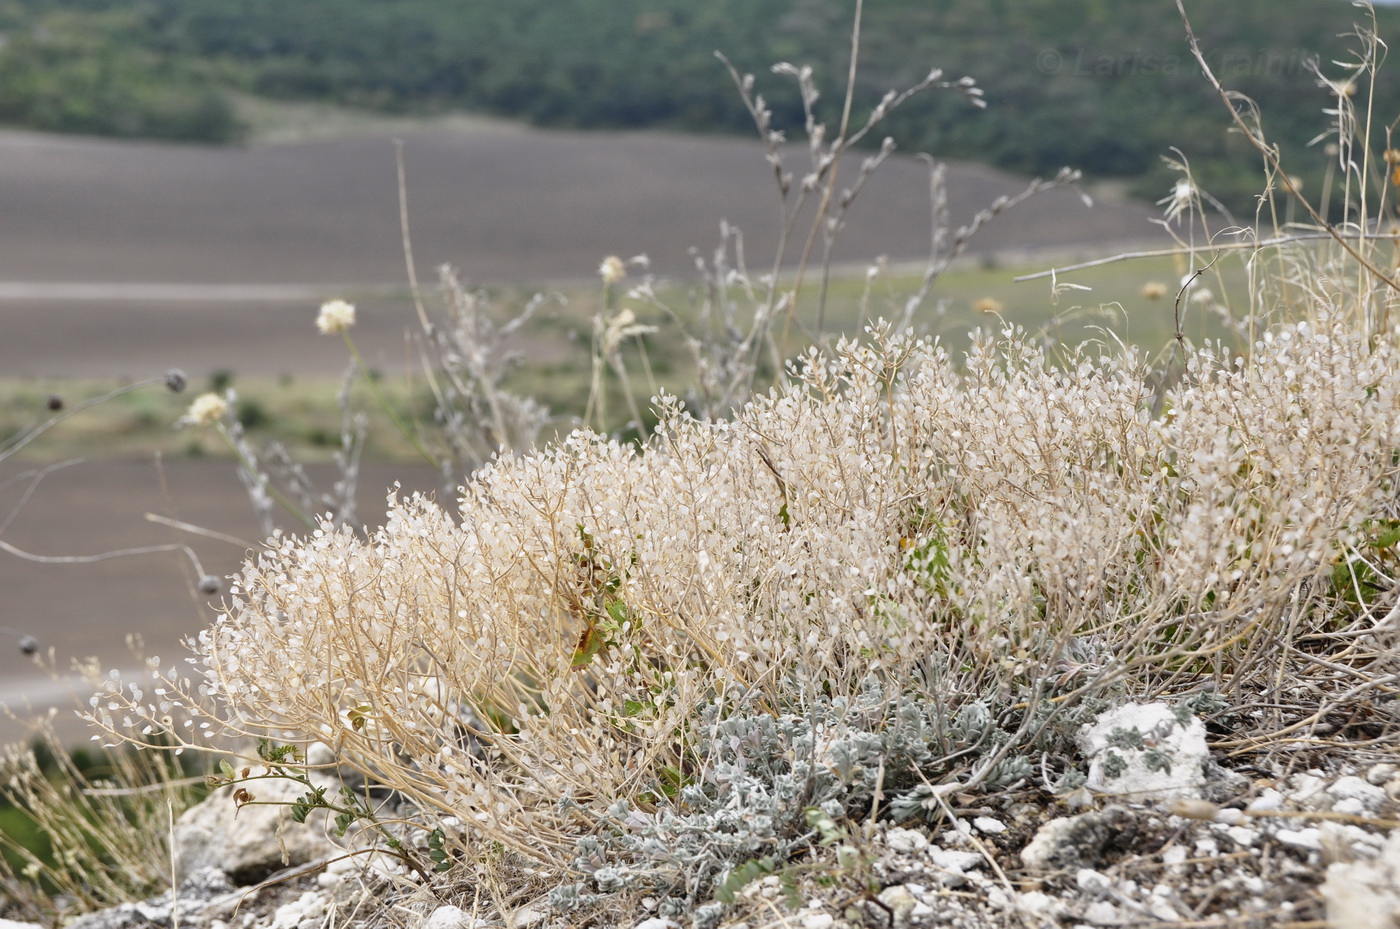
(206, 410)
(612, 270)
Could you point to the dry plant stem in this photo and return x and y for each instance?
(197, 530)
(174, 880)
(257, 477)
(1271, 157)
(942, 251)
(105, 556)
(407, 237)
(24, 438)
(34, 478)
(410, 434)
(1272, 242)
(819, 221)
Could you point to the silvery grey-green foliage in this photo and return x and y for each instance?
(759, 774)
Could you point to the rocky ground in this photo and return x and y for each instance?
(1163, 834)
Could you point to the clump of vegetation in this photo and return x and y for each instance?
(83, 831)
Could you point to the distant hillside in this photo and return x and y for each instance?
(1104, 86)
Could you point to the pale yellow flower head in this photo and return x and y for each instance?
(1154, 290)
(612, 270)
(206, 410)
(335, 316)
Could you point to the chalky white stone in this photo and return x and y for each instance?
(1171, 764)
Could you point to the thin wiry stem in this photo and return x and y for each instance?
(1271, 157)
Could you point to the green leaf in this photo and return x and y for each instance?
(821, 821)
(742, 876)
(589, 644)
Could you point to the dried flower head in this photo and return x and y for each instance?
(54, 402)
(621, 327)
(612, 270)
(336, 316)
(1154, 290)
(1180, 200)
(175, 380)
(206, 410)
(989, 305)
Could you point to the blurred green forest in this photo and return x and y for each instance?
(1104, 86)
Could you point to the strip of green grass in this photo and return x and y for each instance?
(556, 370)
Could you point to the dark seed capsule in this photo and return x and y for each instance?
(209, 584)
(175, 380)
(28, 644)
(55, 402)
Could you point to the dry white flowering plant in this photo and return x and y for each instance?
(886, 514)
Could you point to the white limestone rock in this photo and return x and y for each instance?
(1080, 841)
(1365, 894)
(251, 841)
(1170, 764)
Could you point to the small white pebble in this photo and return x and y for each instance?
(958, 835)
(900, 901)
(906, 840)
(1035, 903)
(1102, 913)
(1349, 806)
(988, 825)
(1092, 882)
(1379, 774)
(1242, 836)
(449, 917)
(955, 861)
(1308, 838)
(1267, 801)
